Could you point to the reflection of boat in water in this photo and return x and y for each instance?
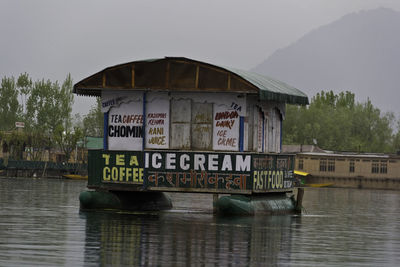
(186, 238)
(75, 176)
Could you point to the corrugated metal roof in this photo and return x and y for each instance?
(272, 89)
(268, 88)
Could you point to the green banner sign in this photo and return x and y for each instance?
(198, 171)
(241, 173)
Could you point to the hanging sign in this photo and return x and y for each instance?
(19, 124)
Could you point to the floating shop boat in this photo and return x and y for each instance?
(180, 125)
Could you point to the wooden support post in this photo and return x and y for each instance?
(299, 202)
(215, 199)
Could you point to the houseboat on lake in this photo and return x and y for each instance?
(179, 125)
(346, 169)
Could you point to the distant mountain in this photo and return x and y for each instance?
(359, 52)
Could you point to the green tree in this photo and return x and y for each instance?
(37, 144)
(10, 108)
(67, 139)
(50, 105)
(93, 122)
(44, 106)
(24, 84)
(396, 138)
(13, 143)
(338, 123)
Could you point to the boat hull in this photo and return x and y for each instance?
(256, 204)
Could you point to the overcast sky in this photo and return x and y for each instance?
(50, 38)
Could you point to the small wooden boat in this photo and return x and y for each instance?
(75, 176)
(301, 173)
(319, 185)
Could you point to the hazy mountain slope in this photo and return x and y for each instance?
(359, 52)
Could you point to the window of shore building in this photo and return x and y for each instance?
(383, 167)
(331, 165)
(301, 164)
(322, 165)
(375, 167)
(351, 166)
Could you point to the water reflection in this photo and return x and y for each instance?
(37, 226)
(40, 225)
(349, 227)
(183, 239)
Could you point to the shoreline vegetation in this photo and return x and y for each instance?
(36, 123)
(337, 122)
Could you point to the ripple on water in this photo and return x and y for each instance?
(40, 224)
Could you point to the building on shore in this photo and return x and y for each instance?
(18, 146)
(346, 169)
(19, 158)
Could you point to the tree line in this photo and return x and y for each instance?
(337, 122)
(332, 121)
(45, 108)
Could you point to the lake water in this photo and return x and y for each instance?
(41, 225)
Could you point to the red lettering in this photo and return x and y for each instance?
(231, 142)
(226, 115)
(221, 133)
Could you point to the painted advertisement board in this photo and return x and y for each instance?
(198, 171)
(125, 127)
(157, 121)
(239, 173)
(226, 128)
(272, 172)
(115, 167)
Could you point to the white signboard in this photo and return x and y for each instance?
(19, 124)
(226, 128)
(157, 121)
(125, 127)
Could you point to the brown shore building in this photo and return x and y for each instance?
(346, 169)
